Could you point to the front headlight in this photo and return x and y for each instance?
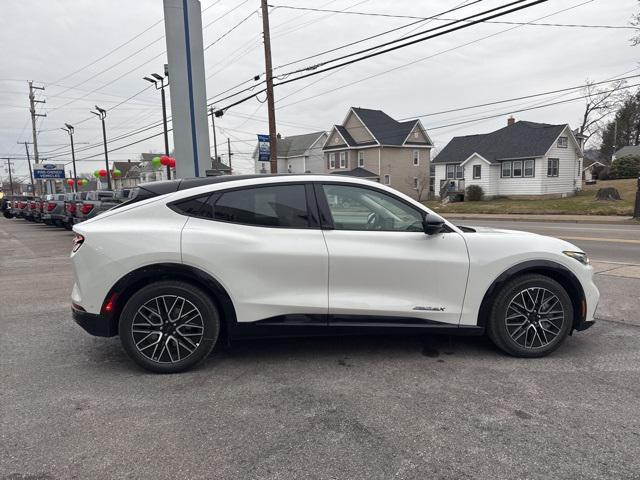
(579, 256)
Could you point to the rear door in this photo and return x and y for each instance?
(264, 245)
(382, 266)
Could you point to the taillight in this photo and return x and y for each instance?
(32, 205)
(86, 208)
(41, 206)
(78, 240)
(72, 207)
(21, 205)
(51, 206)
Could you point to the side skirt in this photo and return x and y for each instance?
(335, 325)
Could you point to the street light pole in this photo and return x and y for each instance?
(33, 186)
(102, 114)
(160, 82)
(69, 130)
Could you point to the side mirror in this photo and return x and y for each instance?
(432, 225)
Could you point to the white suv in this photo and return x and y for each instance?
(188, 263)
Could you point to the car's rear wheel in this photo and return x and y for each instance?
(169, 326)
(531, 316)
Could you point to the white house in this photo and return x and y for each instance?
(296, 154)
(521, 159)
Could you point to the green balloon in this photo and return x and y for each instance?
(156, 162)
(117, 173)
(96, 173)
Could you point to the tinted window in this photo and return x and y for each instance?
(273, 206)
(357, 208)
(192, 206)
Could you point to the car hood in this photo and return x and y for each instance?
(472, 230)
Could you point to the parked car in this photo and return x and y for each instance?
(187, 264)
(71, 202)
(19, 205)
(95, 203)
(31, 212)
(53, 209)
(5, 207)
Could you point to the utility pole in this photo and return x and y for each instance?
(32, 109)
(102, 114)
(26, 147)
(69, 130)
(229, 150)
(10, 177)
(212, 110)
(159, 78)
(273, 141)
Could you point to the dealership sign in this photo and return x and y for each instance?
(48, 171)
(264, 149)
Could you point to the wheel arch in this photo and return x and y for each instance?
(556, 271)
(133, 281)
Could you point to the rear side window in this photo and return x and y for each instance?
(282, 206)
(193, 206)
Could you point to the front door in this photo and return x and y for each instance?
(382, 264)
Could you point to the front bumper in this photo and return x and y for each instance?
(95, 324)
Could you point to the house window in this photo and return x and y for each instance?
(432, 177)
(517, 168)
(387, 180)
(416, 158)
(563, 142)
(361, 159)
(336, 140)
(416, 134)
(529, 168)
(477, 171)
(455, 171)
(289, 168)
(416, 183)
(332, 161)
(506, 169)
(343, 159)
(553, 166)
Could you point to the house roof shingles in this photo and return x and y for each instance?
(520, 140)
(297, 145)
(357, 172)
(628, 151)
(384, 128)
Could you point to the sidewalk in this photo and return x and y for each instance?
(541, 218)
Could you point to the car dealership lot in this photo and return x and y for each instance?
(363, 407)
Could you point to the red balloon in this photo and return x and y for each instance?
(164, 160)
(70, 182)
(172, 162)
(103, 173)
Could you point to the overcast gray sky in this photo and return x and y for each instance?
(54, 42)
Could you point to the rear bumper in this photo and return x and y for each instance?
(95, 324)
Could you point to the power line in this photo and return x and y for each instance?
(421, 20)
(230, 30)
(413, 62)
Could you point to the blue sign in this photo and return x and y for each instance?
(264, 149)
(48, 171)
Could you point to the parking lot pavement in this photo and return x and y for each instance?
(72, 406)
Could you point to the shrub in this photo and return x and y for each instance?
(474, 193)
(626, 167)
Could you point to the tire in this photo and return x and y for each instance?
(162, 346)
(530, 317)
(67, 225)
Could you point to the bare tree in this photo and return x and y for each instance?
(635, 22)
(420, 184)
(600, 102)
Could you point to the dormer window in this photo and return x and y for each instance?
(563, 142)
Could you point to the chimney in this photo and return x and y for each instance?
(278, 136)
(510, 121)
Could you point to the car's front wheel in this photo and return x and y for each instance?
(531, 316)
(169, 326)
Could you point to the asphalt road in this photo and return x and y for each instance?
(603, 242)
(73, 406)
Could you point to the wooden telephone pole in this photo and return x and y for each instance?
(273, 141)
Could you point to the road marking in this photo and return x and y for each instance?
(600, 239)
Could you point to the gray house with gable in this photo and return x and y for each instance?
(521, 159)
